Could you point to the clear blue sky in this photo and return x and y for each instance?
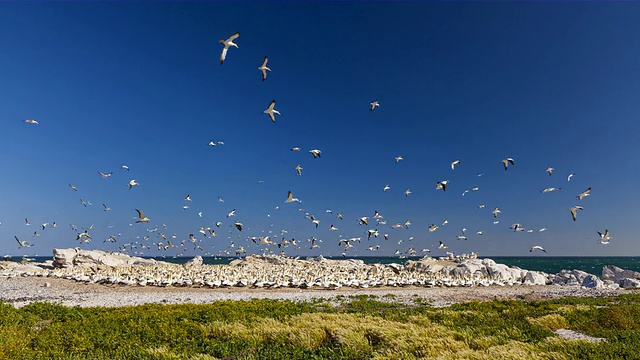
(551, 84)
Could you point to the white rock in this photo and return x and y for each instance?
(535, 278)
(630, 283)
(593, 282)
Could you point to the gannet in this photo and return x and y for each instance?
(103, 175)
(570, 176)
(141, 217)
(543, 229)
(373, 105)
(22, 243)
(537, 247)
(407, 192)
(106, 208)
(83, 236)
(333, 228)
(398, 159)
(264, 68)
(506, 162)
(550, 189)
(238, 225)
(26, 221)
(495, 212)
(574, 211)
(295, 149)
(445, 222)
(481, 206)
(226, 44)
(454, 163)
(339, 216)
(550, 170)
(232, 213)
(364, 220)
(407, 223)
(397, 226)
(125, 167)
(372, 232)
(291, 199)
(433, 227)
(442, 246)
(299, 169)
(212, 143)
(461, 237)
(271, 111)
(220, 199)
(479, 232)
(32, 122)
(133, 183)
(73, 187)
(442, 185)
(386, 187)
(218, 223)
(604, 238)
(584, 194)
(84, 203)
(316, 153)
(377, 215)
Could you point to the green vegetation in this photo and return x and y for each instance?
(349, 328)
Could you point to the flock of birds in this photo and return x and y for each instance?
(267, 243)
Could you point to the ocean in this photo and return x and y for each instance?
(548, 264)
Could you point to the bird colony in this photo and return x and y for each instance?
(376, 230)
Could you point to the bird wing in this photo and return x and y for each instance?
(272, 116)
(223, 55)
(264, 74)
(264, 62)
(140, 214)
(234, 36)
(573, 213)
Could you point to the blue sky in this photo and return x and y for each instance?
(550, 84)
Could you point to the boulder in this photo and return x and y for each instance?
(77, 257)
(630, 283)
(570, 277)
(535, 278)
(617, 275)
(64, 257)
(426, 264)
(593, 282)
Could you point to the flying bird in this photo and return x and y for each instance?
(141, 217)
(103, 175)
(32, 122)
(299, 170)
(604, 238)
(442, 185)
(316, 153)
(373, 105)
(271, 111)
(264, 68)
(22, 243)
(442, 246)
(106, 208)
(537, 247)
(550, 189)
(226, 44)
(386, 187)
(238, 225)
(570, 176)
(584, 194)
(506, 162)
(574, 211)
(291, 199)
(133, 183)
(232, 213)
(73, 187)
(407, 192)
(453, 164)
(495, 212)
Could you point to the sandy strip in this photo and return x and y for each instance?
(21, 291)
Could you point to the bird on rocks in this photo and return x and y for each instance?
(271, 111)
(263, 68)
(226, 44)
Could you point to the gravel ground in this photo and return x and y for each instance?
(21, 291)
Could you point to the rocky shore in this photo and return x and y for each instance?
(96, 274)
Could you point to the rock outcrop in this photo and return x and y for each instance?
(624, 278)
(77, 257)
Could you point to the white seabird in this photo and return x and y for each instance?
(133, 183)
(442, 185)
(604, 238)
(584, 194)
(103, 175)
(550, 189)
(550, 170)
(264, 68)
(31, 121)
(495, 212)
(398, 159)
(574, 211)
(442, 246)
(73, 187)
(407, 192)
(291, 199)
(454, 163)
(373, 105)
(507, 161)
(386, 187)
(226, 44)
(570, 176)
(299, 170)
(537, 247)
(271, 111)
(22, 243)
(141, 217)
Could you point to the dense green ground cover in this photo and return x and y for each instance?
(355, 328)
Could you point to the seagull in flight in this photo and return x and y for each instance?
(226, 44)
(442, 246)
(238, 225)
(574, 211)
(141, 217)
(232, 213)
(373, 105)
(537, 247)
(32, 122)
(291, 199)
(22, 243)
(453, 164)
(604, 238)
(271, 111)
(316, 153)
(507, 161)
(125, 167)
(584, 194)
(264, 68)
(106, 208)
(133, 183)
(407, 192)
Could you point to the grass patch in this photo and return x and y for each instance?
(360, 327)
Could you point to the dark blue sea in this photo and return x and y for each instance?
(548, 264)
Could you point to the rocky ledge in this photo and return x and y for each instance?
(257, 271)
